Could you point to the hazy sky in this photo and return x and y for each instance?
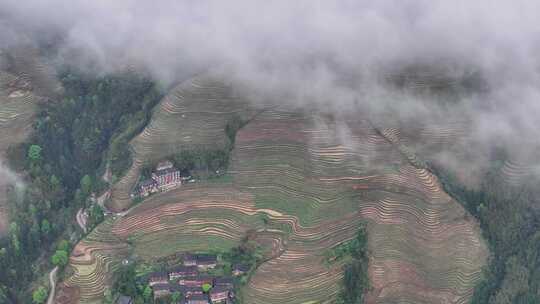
(256, 34)
(324, 52)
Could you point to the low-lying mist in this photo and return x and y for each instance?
(340, 56)
(10, 179)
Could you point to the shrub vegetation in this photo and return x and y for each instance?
(355, 278)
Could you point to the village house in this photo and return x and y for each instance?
(240, 269)
(161, 290)
(165, 177)
(182, 271)
(147, 187)
(206, 262)
(198, 299)
(219, 294)
(224, 282)
(188, 281)
(187, 291)
(202, 261)
(195, 281)
(190, 260)
(158, 278)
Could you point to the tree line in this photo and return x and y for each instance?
(204, 162)
(354, 253)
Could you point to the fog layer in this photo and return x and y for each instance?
(331, 54)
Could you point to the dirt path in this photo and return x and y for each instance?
(101, 202)
(107, 175)
(102, 199)
(107, 194)
(52, 281)
(81, 219)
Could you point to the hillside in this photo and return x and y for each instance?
(25, 80)
(314, 180)
(192, 116)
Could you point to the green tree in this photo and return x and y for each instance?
(3, 294)
(60, 258)
(227, 269)
(34, 235)
(63, 245)
(125, 281)
(95, 216)
(45, 227)
(34, 152)
(265, 219)
(86, 184)
(56, 191)
(3, 255)
(14, 232)
(54, 181)
(355, 280)
(39, 295)
(147, 293)
(32, 209)
(175, 297)
(206, 287)
(108, 296)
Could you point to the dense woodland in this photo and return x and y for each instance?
(509, 218)
(61, 161)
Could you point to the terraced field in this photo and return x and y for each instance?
(192, 115)
(296, 165)
(91, 263)
(315, 180)
(194, 218)
(515, 172)
(303, 168)
(25, 82)
(521, 169)
(421, 240)
(446, 143)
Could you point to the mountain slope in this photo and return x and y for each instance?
(315, 178)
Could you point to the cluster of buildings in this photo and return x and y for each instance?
(165, 177)
(191, 283)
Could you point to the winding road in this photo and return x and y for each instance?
(81, 219)
(52, 281)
